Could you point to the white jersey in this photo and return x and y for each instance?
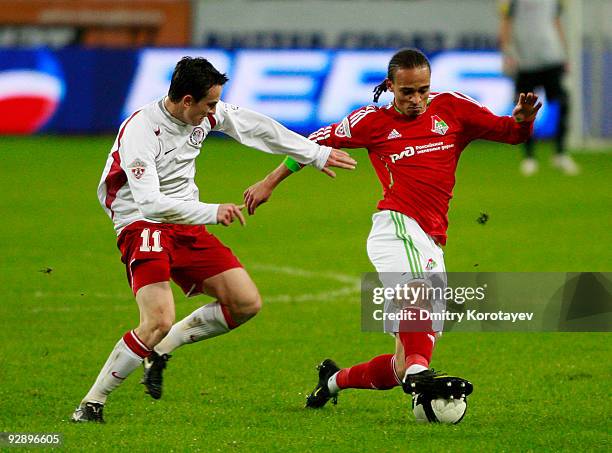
(149, 174)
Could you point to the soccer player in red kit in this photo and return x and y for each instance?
(414, 144)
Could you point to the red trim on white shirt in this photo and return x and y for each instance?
(211, 120)
(116, 177)
(114, 181)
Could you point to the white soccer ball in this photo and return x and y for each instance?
(438, 410)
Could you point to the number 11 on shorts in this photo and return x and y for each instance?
(146, 236)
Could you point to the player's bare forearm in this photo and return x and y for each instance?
(562, 36)
(261, 191)
(509, 61)
(505, 34)
(278, 175)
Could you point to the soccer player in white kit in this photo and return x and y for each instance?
(148, 190)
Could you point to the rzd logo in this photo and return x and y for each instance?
(408, 151)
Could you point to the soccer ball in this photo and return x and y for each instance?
(438, 410)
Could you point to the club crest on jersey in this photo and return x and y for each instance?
(343, 129)
(137, 168)
(430, 264)
(438, 125)
(197, 136)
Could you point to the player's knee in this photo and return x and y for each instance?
(244, 306)
(256, 304)
(250, 305)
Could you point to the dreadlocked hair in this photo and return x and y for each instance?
(380, 89)
(403, 59)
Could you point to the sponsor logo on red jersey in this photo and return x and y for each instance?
(421, 149)
(408, 151)
(394, 134)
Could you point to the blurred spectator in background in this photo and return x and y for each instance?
(534, 48)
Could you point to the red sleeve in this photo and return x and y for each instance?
(480, 123)
(351, 132)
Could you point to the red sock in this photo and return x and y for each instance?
(377, 374)
(135, 344)
(418, 347)
(418, 340)
(231, 324)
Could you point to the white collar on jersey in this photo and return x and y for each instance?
(167, 114)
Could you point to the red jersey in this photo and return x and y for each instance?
(416, 158)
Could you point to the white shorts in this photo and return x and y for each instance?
(403, 253)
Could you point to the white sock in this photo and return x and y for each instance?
(332, 385)
(121, 362)
(414, 369)
(206, 322)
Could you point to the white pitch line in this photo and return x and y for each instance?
(298, 272)
(351, 286)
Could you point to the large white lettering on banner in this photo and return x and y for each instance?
(477, 74)
(281, 84)
(350, 82)
(306, 89)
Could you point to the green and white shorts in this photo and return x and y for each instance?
(403, 253)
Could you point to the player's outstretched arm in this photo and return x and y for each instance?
(261, 191)
(526, 108)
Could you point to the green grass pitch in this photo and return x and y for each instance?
(245, 391)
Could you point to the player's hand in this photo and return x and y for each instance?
(329, 172)
(526, 108)
(229, 212)
(257, 194)
(339, 159)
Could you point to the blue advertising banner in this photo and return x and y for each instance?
(91, 91)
